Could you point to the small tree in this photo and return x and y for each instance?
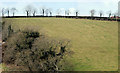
(92, 12)
(58, 11)
(34, 11)
(3, 11)
(8, 11)
(13, 10)
(67, 12)
(28, 10)
(50, 11)
(43, 9)
(77, 12)
(101, 13)
(109, 13)
(47, 12)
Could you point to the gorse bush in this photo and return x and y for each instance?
(34, 51)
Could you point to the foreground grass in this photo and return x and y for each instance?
(95, 43)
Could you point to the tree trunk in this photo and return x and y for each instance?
(76, 14)
(8, 13)
(50, 13)
(43, 12)
(13, 13)
(27, 13)
(34, 13)
(100, 15)
(109, 15)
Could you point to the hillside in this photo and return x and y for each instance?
(94, 43)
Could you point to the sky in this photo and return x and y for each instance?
(84, 6)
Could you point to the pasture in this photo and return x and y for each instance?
(94, 43)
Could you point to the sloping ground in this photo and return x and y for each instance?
(119, 45)
(95, 43)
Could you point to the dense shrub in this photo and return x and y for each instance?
(33, 50)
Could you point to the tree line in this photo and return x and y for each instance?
(32, 11)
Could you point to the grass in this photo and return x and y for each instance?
(0, 67)
(95, 43)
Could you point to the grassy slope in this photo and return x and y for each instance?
(119, 45)
(95, 43)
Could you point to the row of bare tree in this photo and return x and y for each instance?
(31, 11)
(7, 11)
(101, 13)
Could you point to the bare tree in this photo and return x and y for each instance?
(28, 10)
(43, 9)
(3, 11)
(109, 13)
(50, 11)
(13, 10)
(92, 12)
(34, 11)
(8, 11)
(47, 12)
(101, 13)
(67, 12)
(58, 11)
(77, 12)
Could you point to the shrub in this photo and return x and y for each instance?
(35, 51)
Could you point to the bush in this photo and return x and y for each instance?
(35, 51)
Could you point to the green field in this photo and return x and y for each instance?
(94, 43)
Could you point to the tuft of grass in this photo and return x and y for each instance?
(4, 67)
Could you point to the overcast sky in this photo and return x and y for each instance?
(84, 6)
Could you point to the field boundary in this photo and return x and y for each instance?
(76, 17)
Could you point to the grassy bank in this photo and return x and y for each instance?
(95, 43)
